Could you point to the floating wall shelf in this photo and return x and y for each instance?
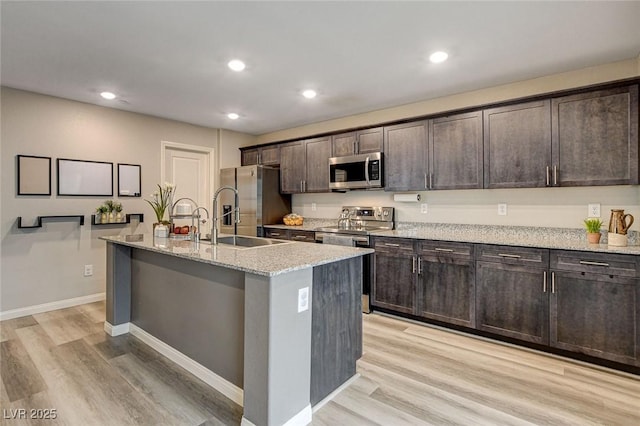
(127, 220)
(39, 220)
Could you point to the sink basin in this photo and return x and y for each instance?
(237, 240)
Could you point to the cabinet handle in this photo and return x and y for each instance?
(555, 174)
(553, 282)
(300, 237)
(274, 234)
(511, 256)
(547, 175)
(544, 282)
(354, 147)
(443, 249)
(430, 180)
(586, 262)
(425, 182)
(259, 158)
(419, 266)
(301, 187)
(414, 264)
(391, 245)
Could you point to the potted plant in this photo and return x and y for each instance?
(117, 207)
(101, 214)
(593, 226)
(160, 200)
(110, 204)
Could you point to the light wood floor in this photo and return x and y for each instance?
(410, 375)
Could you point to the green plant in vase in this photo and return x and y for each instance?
(101, 214)
(110, 204)
(117, 207)
(161, 200)
(593, 226)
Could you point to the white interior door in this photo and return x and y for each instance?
(190, 169)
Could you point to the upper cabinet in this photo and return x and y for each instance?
(266, 156)
(517, 145)
(359, 142)
(595, 138)
(455, 152)
(304, 166)
(405, 156)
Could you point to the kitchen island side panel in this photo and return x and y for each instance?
(195, 308)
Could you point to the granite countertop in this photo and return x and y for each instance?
(522, 236)
(268, 260)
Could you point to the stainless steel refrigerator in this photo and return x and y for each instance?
(259, 199)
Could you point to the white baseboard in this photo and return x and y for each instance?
(336, 391)
(116, 330)
(227, 388)
(303, 418)
(51, 306)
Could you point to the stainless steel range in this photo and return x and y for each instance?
(354, 228)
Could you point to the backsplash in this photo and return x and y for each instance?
(537, 207)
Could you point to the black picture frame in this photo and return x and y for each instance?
(84, 178)
(33, 175)
(129, 180)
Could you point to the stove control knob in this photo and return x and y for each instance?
(385, 213)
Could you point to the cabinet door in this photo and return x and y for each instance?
(270, 155)
(446, 289)
(318, 152)
(343, 144)
(517, 145)
(595, 138)
(394, 284)
(405, 156)
(304, 236)
(370, 140)
(249, 157)
(292, 167)
(596, 315)
(455, 152)
(512, 301)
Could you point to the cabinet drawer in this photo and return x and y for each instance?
(445, 248)
(281, 234)
(305, 236)
(513, 255)
(595, 263)
(393, 244)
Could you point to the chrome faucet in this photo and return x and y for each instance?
(214, 228)
(196, 216)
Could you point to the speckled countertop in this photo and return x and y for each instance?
(522, 236)
(264, 260)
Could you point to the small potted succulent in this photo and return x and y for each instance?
(117, 207)
(101, 214)
(593, 226)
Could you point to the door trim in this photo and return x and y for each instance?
(210, 152)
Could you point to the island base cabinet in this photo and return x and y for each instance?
(596, 314)
(512, 301)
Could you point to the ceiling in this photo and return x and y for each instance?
(168, 59)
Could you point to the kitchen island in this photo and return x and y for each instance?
(276, 328)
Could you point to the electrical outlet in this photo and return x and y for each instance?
(303, 299)
(88, 270)
(314, 207)
(423, 208)
(502, 209)
(593, 210)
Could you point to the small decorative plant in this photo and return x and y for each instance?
(102, 209)
(110, 204)
(161, 200)
(593, 226)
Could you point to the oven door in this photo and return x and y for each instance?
(354, 241)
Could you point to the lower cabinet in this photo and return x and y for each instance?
(395, 275)
(290, 234)
(446, 282)
(594, 305)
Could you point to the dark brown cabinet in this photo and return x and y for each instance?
(290, 234)
(277, 233)
(359, 142)
(455, 152)
(405, 156)
(304, 166)
(517, 146)
(446, 282)
(512, 292)
(595, 138)
(266, 156)
(595, 305)
(395, 267)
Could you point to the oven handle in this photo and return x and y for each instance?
(355, 238)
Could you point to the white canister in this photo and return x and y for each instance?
(183, 208)
(617, 240)
(161, 231)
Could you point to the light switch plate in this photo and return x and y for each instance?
(593, 210)
(88, 270)
(502, 209)
(423, 208)
(314, 207)
(303, 299)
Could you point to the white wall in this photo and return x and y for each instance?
(46, 265)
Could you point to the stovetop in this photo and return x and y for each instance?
(362, 220)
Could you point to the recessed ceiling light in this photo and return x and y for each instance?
(108, 95)
(438, 57)
(309, 94)
(236, 65)
(233, 116)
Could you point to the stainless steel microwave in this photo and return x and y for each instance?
(362, 171)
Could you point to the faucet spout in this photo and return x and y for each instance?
(216, 218)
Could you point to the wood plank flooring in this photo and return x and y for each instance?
(410, 375)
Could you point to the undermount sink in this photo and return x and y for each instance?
(241, 241)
